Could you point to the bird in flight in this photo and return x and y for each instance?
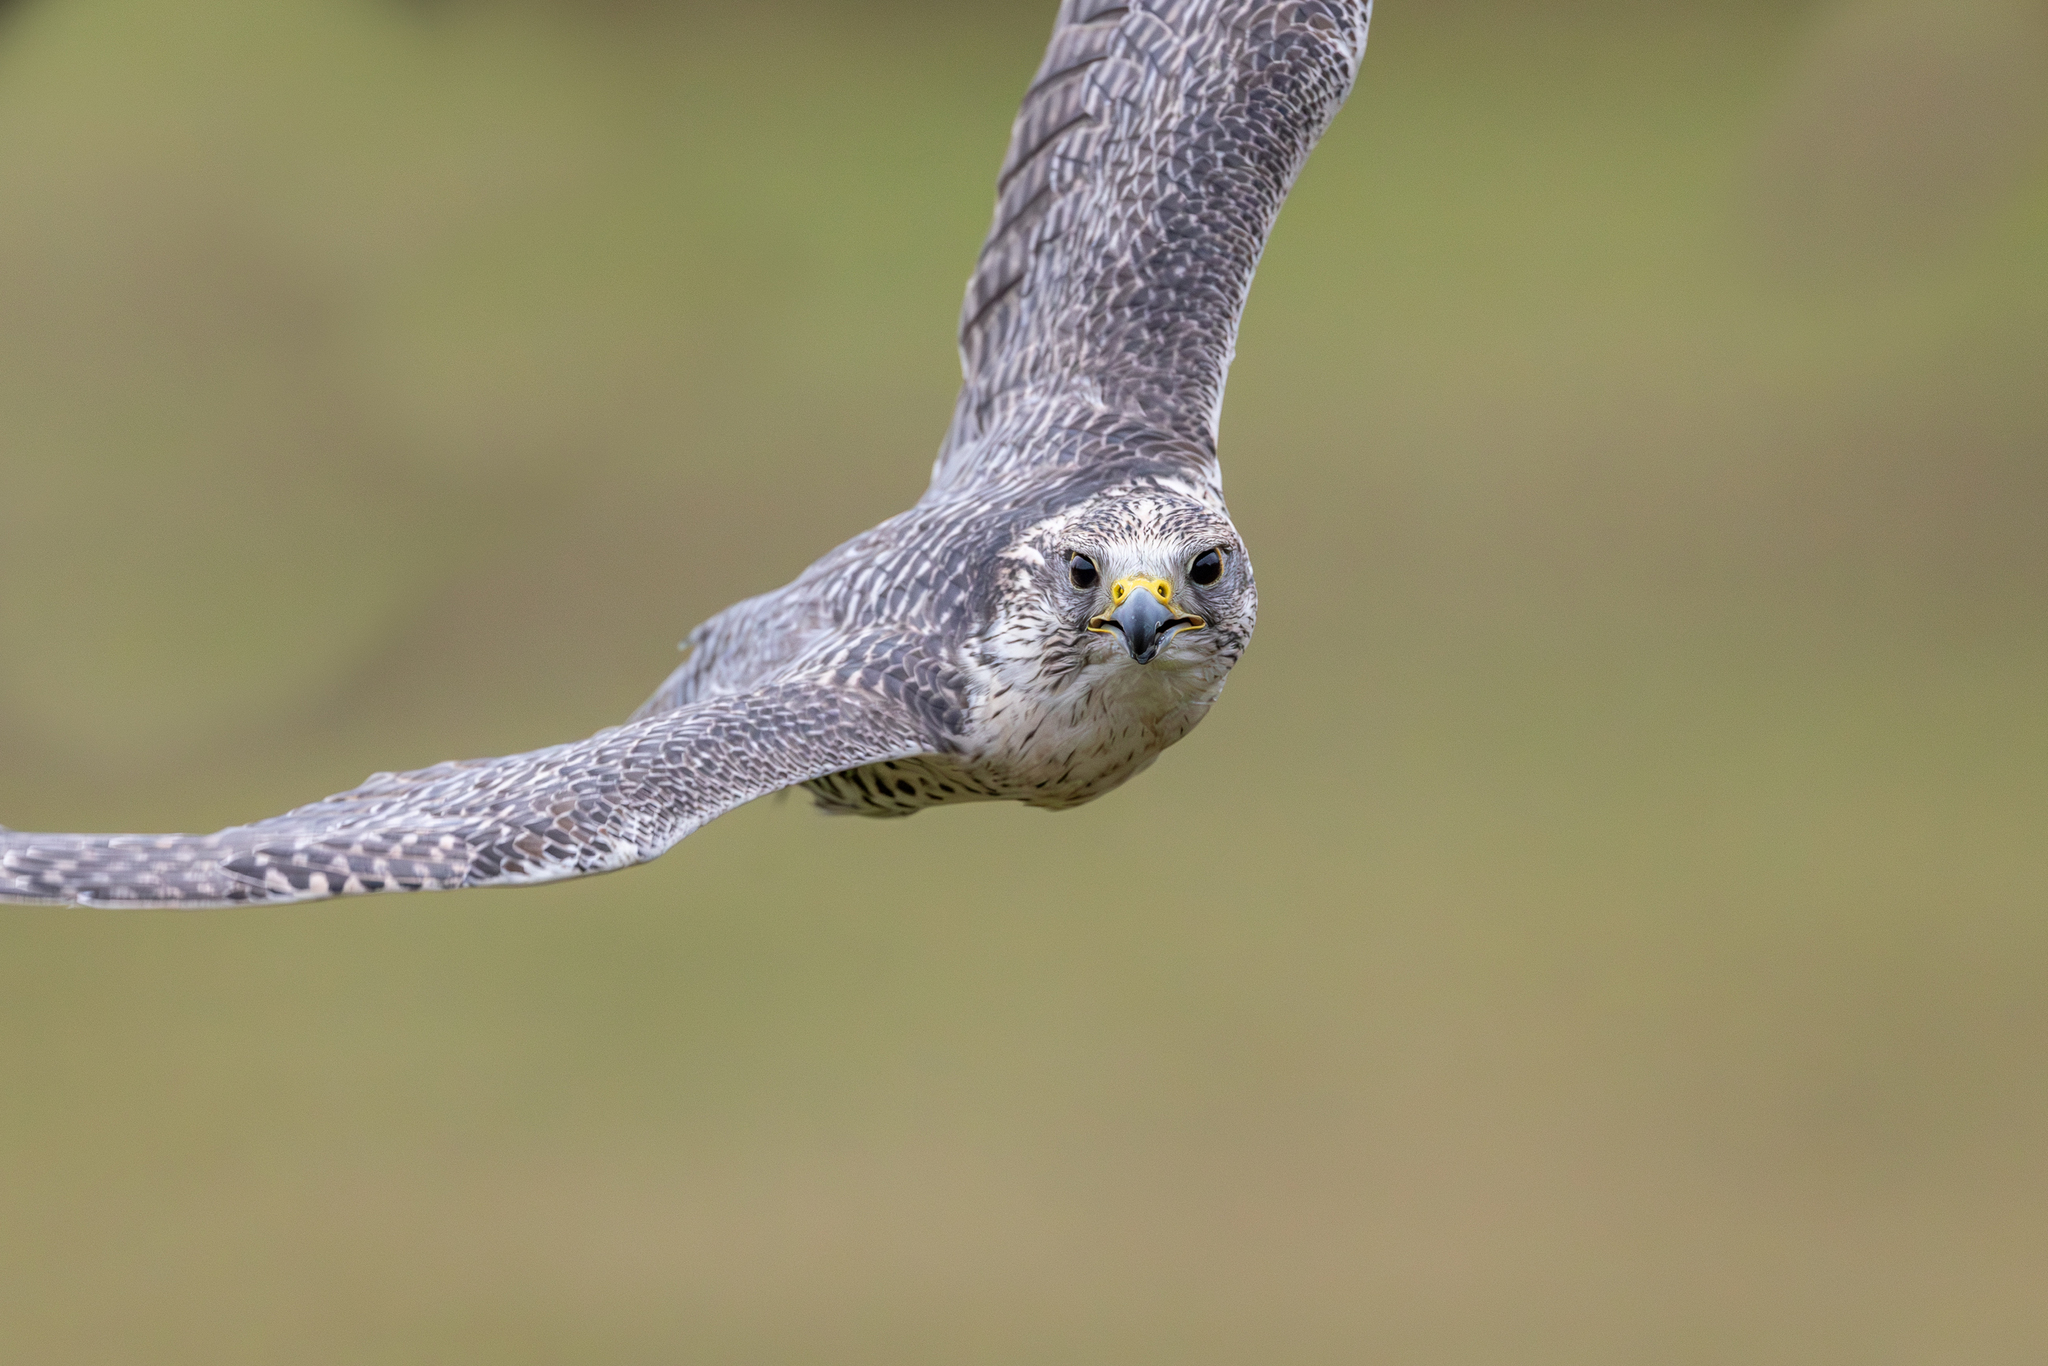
(1061, 605)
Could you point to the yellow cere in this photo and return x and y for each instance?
(1159, 588)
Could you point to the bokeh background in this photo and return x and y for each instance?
(1610, 924)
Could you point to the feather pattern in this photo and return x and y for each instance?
(1146, 166)
(621, 797)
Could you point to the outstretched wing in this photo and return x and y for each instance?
(621, 797)
(1150, 157)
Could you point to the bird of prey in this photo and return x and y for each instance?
(1061, 605)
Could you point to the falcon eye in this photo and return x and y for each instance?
(1083, 572)
(1207, 568)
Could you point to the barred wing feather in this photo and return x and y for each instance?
(621, 797)
(1146, 166)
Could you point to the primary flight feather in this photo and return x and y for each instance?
(1063, 602)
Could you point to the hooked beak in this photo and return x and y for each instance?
(1143, 617)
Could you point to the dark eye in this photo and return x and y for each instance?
(1083, 572)
(1207, 568)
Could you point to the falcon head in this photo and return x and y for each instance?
(1153, 580)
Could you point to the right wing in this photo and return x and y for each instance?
(621, 797)
(1145, 169)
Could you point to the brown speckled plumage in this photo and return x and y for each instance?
(948, 654)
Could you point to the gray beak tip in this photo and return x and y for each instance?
(1144, 624)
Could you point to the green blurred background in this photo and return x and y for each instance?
(1614, 927)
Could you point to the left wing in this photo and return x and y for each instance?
(1145, 168)
(621, 797)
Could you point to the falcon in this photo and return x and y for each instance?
(1062, 604)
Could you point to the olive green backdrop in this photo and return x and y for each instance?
(1604, 921)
